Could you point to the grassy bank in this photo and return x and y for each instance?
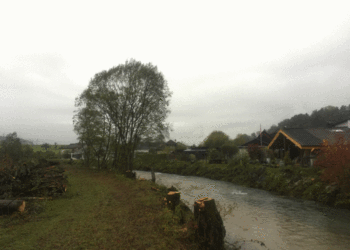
(100, 210)
(293, 181)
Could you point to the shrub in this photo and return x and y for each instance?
(12, 147)
(66, 154)
(255, 152)
(286, 159)
(334, 160)
(192, 158)
(229, 150)
(215, 156)
(239, 159)
(152, 150)
(270, 154)
(183, 157)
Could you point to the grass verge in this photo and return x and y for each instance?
(100, 210)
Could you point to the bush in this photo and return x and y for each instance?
(239, 159)
(12, 147)
(270, 154)
(229, 150)
(153, 151)
(255, 152)
(334, 160)
(215, 156)
(183, 157)
(192, 158)
(286, 159)
(66, 154)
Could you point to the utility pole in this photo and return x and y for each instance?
(260, 137)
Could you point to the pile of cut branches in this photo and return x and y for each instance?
(41, 180)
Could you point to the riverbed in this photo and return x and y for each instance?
(258, 219)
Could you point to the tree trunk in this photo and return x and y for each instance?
(211, 231)
(9, 206)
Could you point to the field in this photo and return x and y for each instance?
(52, 148)
(100, 210)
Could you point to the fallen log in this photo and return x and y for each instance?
(10, 206)
(210, 231)
(154, 189)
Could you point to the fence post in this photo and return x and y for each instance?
(153, 175)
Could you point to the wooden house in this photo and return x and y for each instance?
(73, 146)
(199, 152)
(303, 143)
(171, 143)
(342, 124)
(263, 140)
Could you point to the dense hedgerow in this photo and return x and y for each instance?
(295, 181)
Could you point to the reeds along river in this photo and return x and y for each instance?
(257, 216)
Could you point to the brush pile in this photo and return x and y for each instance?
(41, 180)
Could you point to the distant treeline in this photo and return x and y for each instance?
(24, 142)
(318, 119)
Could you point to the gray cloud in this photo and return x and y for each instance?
(229, 72)
(34, 98)
(301, 83)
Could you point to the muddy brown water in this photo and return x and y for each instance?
(258, 219)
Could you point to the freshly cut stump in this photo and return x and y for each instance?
(131, 175)
(10, 206)
(173, 199)
(211, 231)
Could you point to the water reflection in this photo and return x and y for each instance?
(257, 219)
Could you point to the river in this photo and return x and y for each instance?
(258, 219)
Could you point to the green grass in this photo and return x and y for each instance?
(52, 148)
(99, 211)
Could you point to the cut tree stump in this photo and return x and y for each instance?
(211, 231)
(131, 175)
(173, 199)
(10, 206)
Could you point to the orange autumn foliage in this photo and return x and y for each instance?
(334, 158)
(5, 162)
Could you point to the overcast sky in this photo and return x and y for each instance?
(231, 65)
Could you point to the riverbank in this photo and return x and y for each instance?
(251, 215)
(293, 181)
(100, 210)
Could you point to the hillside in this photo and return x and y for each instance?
(318, 119)
(23, 141)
